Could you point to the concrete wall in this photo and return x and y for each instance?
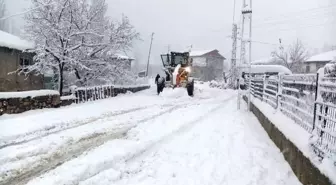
(10, 62)
(306, 172)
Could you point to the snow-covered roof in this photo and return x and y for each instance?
(267, 69)
(323, 57)
(13, 42)
(263, 61)
(200, 53)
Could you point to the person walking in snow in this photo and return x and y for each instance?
(157, 78)
(160, 84)
(242, 84)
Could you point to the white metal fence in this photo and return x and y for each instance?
(309, 100)
(86, 94)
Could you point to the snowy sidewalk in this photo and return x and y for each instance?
(205, 143)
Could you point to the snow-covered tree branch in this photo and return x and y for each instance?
(76, 36)
(293, 58)
(3, 22)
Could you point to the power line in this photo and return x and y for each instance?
(299, 12)
(291, 19)
(295, 28)
(300, 18)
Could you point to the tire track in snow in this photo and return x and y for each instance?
(54, 129)
(186, 127)
(60, 127)
(73, 150)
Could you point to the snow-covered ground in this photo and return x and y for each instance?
(142, 138)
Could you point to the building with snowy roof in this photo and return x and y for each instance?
(314, 63)
(126, 59)
(13, 56)
(207, 65)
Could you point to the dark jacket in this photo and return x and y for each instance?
(157, 78)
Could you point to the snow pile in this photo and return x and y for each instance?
(14, 42)
(323, 57)
(216, 84)
(25, 94)
(69, 97)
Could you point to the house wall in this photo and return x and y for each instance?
(208, 67)
(312, 67)
(216, 66)
(10, 62)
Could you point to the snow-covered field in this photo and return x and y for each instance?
(141, 138)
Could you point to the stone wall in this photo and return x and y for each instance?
(19, 104)
(305, 171)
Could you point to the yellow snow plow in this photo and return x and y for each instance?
(178, 67)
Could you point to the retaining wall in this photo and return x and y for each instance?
(18, 102)
(22, 104)
(305, 171)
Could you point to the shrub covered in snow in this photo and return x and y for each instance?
(330, 69)
(216, 84)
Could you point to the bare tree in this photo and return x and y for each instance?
(293, 57)
(74, 36)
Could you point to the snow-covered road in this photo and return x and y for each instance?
(142, 139)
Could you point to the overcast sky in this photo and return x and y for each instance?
(206, 24)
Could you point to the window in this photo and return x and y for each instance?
(24, 63)
(308, 69)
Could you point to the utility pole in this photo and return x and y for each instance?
(150, 50)
(242, 52)
(233, 71)
(246, 14)
(190, 48)
(249, 12)
(168, 49)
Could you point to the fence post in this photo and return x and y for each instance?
(264, 87)
(315, 103)
(85, 97)
(278, 96)
(73, 92)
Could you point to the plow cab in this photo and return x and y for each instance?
(178, 67)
